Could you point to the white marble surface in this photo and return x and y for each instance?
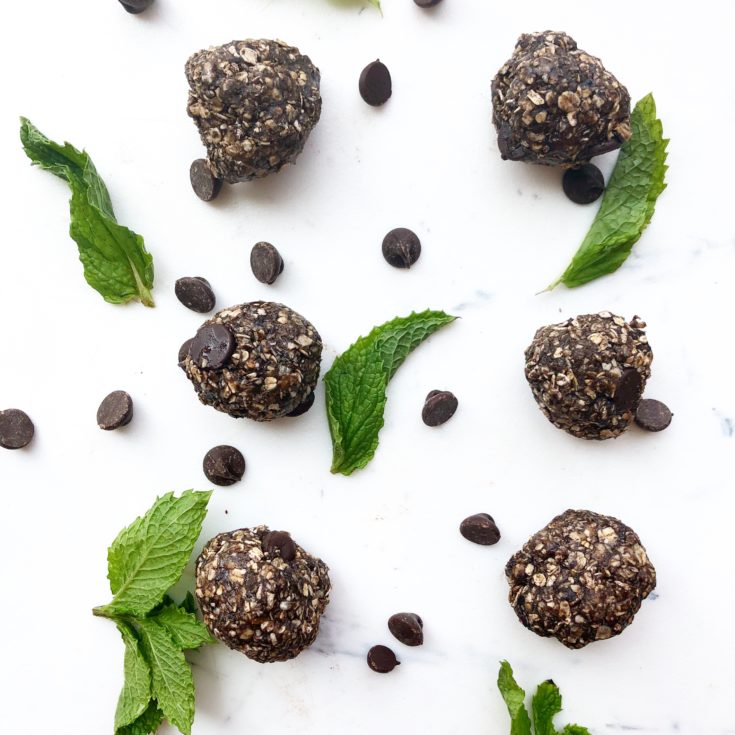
(494, 233)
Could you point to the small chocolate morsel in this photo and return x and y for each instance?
(116, 410)
(303, 407)
(375, 83)
(439, 407)
(195, 293)
(266, 262)
(480, 529)
(16, 429)
(184, 352)
(427, 3)
(205, 184)
(224, 465)
(652, 415)
(408, 628)
(583, 185)
(212, 347)
(382, 659)
(136, 6)
(628, 391)
(279, 543)
(401, 247)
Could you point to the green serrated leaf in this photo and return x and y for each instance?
(357, 381)
(628, 203)
(575, 730)
(116, 262)
(173, 684)
(136, 692)
(189, 604)
(514, 697)
(186, 630)
(148, 556)
(146, 724)
(545, 705)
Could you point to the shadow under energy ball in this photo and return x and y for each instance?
(255, 103)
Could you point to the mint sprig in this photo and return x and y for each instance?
(357, 381)
(628, 203)
(144, 561)
(545, 705)
(115, 261)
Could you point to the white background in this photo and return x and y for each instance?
(494, 233)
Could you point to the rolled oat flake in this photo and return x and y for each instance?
(16, 429)
(439, 407)
(375, 83)
(224, 465)
(205, 184)
(382, 659)
(266, 262)
(195, 293)
(652, 415)
(116, 410)
(401, 247)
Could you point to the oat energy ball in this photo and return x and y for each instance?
(258, 360)
(587, 374)
(254, 103)
(260, 593)
(556, 105)
(580, 579)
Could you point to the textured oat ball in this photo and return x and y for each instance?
(265, 365)
(258, 601)
(555, 104)
(587, 374)
(255, 103)
(581, 578)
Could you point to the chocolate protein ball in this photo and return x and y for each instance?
(258, 360)
(587, 374)
(257, 600)
(580, 579)
(557, 105)
(255, 103)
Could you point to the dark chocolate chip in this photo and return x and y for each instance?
(266, 262)
(583, 185)
(652, 415)
(279, 543)
(205, 184)
(375, 83)
(439, 407)
(628, 390)
(136, 6)
(212, 347)
(509, 151)
(407, 628)
(116, 410)
(480, 529)
(224, 465)
(16, 429)
(382, 659)
(195, 293)
(401, 247)
(184, 351)
(303, 407)
(427, 3)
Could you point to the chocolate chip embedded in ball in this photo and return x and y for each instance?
(587, 374)
(267, 370)
(556, 105)
(257, 602)
(303, 407)
(16, 429)
(116, 410)
(224, 465)
(582, 578)
(583, 185)
(280, 543)
(254, 102)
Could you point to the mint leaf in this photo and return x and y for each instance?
(136, 692)
(116, 262)
(185, 629)
(628, 203)
(146, 724)
(357, 381)
(575, 730)
(189, 604)
(173, 684)
(148, 556)
(546, 703)
(514, 697)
